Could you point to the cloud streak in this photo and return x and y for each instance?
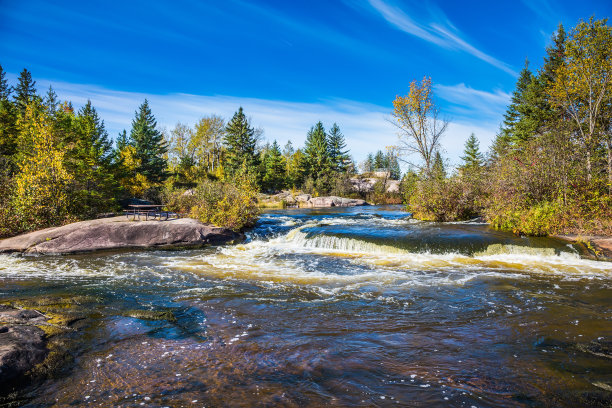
(443, 35)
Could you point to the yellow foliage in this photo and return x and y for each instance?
(41, 186)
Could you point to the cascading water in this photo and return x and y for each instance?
(341, 307)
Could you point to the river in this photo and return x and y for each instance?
(338, 307)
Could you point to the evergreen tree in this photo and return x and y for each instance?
(5, 89)
(472, 158)
(438, 170)
(337, 153)
(90, 159)
(25, 91)
(275, 173)
(316, 152)
(509, 134)
(380, 162)
(393, 166)
(149, 145)
(8, 126)
(50, 101)
(240, 143)
(122, 141)
(288, 150)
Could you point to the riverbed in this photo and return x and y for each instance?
(354, 306)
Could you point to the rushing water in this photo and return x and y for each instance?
(339, 307)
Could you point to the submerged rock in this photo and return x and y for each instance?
(119, 233)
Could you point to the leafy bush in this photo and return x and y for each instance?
(230, 205)
(443, 200)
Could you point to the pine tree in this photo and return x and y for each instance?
(472, 158)
(337, 153)
(25, 91)
(8, 126)
(50, 101)
(380, 164)
(288, 150)
(438, 170)
(90, 160)
(149, 145)
(122, 141)
(275, 169)
(5, 89)
(240, 143)
(515, 112)
(316, 152)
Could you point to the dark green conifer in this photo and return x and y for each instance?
(5, 89)
(275, 173)
(149, 144)
(25, 91)
(316, 152)
(337, 154)
(472, 158)
(241, 144)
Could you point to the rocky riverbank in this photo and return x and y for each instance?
(119, 233)
(287, 199)
(599, 246)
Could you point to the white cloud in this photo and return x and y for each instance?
(364, 125)
(444, 35)
(471, 104)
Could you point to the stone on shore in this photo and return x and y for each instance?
(333, 201)
(119, 233)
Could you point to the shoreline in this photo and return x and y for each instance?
(599, 246)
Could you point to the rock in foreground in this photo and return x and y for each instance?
(22, 345)
(119, 233)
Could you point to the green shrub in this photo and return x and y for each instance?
(230, 205)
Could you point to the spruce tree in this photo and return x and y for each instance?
(5, 89)
(316, 152)
(380, 164)
(25, 91)
(50, 101)
(149, 144)
(275, 169)
(472, 158)
(515, 112)
(337, 153)
(240, 143)
(438, 170)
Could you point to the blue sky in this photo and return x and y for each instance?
(289, 63)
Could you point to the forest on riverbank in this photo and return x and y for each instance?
(548, 171)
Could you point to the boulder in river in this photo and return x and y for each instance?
(119, 233)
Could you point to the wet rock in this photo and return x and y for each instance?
(119, 233)
(167, 315)
(22, 344)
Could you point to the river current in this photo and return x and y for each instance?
(337, 307)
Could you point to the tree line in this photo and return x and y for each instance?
(58, 164)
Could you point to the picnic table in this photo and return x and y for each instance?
(147, 211)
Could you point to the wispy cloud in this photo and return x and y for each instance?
(442, 34)
(469, 104)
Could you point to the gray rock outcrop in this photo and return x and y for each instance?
(119, 233)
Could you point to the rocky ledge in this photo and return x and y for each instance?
(119, 233)
(306, 200)
(599, 246)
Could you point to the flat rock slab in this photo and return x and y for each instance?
(119, 233)
(333, 201)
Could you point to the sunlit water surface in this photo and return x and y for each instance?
(339, 307)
